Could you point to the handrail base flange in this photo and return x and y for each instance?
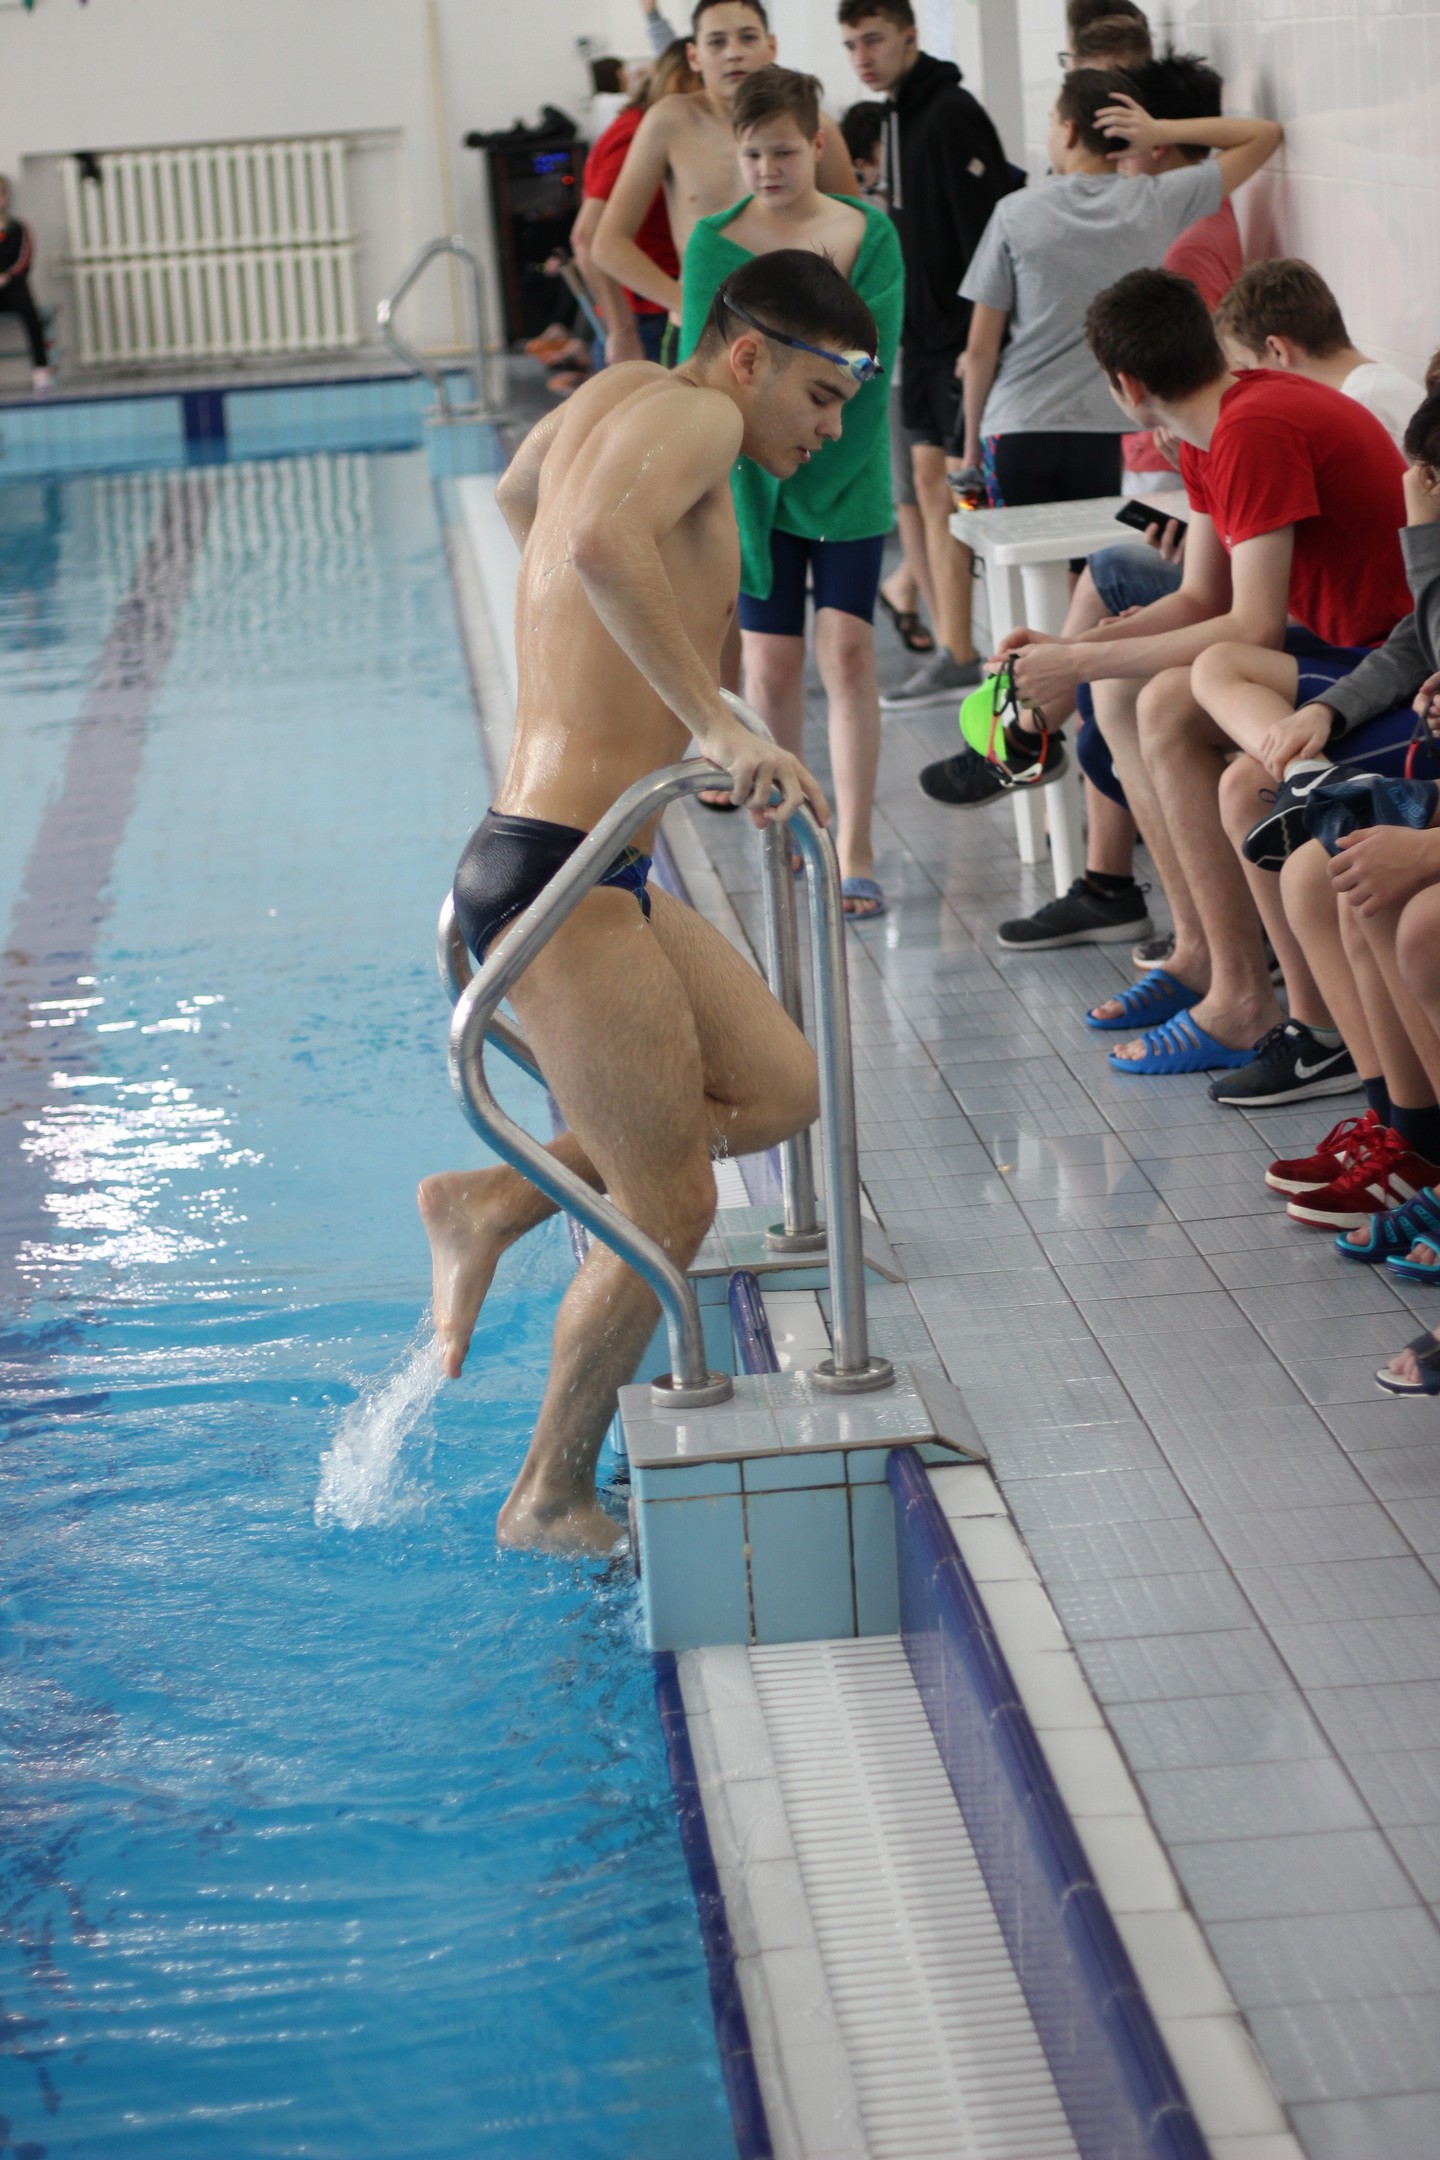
(877, 1372)
(779, 1239)
(668, 1393)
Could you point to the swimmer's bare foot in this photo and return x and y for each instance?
(574, 1525)
(467, 1236)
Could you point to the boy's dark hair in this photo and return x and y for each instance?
(1082, 94)
(1422, 437)
(1155, 326)
(1283, 297)
(772, 92)
(1432, 371)
(756, 7)
(1080, 13)
(862, 126)
(898, 12)
(1117, 39)
(607, 75)
(1180, 86)
(798, 292)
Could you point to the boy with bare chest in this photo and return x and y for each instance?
(687, 146)
(659, 1043)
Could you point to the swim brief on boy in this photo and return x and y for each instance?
(508, 860)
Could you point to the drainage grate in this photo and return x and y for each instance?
(944, 2054)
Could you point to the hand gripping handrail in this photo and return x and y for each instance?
(450, 244)
(689, 1382)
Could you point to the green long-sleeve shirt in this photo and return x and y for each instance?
(844, 492)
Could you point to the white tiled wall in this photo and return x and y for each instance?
(1356, 189)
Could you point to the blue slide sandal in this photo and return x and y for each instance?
(1391, 1236)
(864, 889)
(1178, 1047)
(1156, 997)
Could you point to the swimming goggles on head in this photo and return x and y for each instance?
(862, 365)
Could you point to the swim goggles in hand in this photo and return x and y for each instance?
(984, 717)
(862, 365)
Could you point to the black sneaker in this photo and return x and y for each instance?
(1275, 836)
(967, 780)
(1153, 952)
(1082, 916)
(1290, 1065)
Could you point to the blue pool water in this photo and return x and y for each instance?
(324, 1828)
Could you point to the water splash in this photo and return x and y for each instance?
(360, 1477)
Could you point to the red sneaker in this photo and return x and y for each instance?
(1307, 1173)
(1382, 1173)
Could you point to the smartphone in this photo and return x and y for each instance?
(1140, 516)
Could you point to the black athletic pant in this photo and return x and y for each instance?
(15, 299)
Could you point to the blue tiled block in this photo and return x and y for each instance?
(867, 1465)
(800, 1583)
(692, 1572)
(872, 1540)
(788, 1473)
(686, 1481)
(719, 1338)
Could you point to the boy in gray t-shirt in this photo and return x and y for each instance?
(1040, 415)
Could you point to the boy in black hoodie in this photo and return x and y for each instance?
(945, 172)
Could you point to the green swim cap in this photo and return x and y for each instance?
(982, 721)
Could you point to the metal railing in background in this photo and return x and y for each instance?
(689, 1383)
(433, 370)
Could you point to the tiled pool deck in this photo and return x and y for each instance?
(1240, 1533)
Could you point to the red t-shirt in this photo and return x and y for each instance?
(1287, 451)
(602, 170)
(1211, 254)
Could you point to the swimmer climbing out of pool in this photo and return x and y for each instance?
(661, 1046)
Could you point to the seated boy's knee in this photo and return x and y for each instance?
(1215, 671)
(1165, 704)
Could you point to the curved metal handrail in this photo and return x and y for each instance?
(689, 1382)
(450, 244)
(452, 958)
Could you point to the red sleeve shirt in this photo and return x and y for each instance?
(1287, 451)
(1211, 254)
(602, 170)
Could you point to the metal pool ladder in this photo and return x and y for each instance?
(477, 997)
(445, 408)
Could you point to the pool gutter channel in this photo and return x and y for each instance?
(1139, 1978)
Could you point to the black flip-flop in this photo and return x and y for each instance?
(1427, 1357)
(908, 626)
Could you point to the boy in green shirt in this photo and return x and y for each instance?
(828, 522)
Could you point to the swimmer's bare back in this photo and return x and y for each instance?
(628, 581)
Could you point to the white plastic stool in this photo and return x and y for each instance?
(1026, 553)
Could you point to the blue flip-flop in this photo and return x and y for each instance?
(1157, 997)
(1179, 1047)
(1391, 1235)
(863, 888)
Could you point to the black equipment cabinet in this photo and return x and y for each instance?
(535, 175)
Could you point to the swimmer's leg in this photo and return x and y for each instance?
(613, 1030)
(760, 1088)
(471, 1218)
(760, 1078)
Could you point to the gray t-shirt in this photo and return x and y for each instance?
(1045, 254)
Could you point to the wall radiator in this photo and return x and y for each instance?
(216, 251)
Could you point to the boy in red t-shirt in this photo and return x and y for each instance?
(634, 326)
(1298, 501)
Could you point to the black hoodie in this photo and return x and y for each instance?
(945, 172)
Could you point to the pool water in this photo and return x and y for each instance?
(325, 1828)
